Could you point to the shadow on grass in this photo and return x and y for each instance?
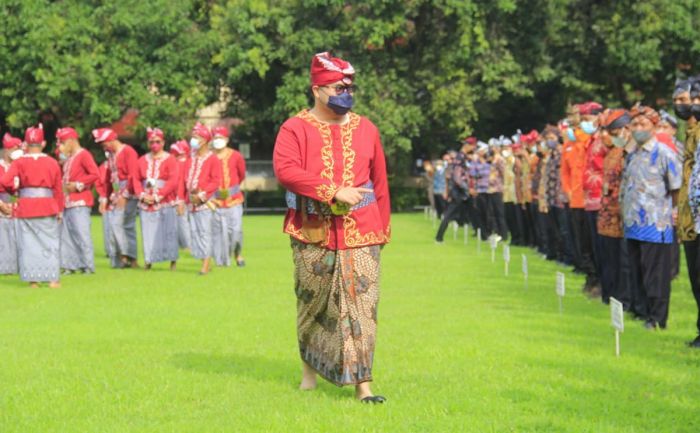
(253, 367)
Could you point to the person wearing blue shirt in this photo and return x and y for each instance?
(650, 182)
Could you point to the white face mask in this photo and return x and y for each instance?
(15, 154)
(219, 143)
(194, 144)
(506, 153)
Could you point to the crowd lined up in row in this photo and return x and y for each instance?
(189, 198)
(610, 192)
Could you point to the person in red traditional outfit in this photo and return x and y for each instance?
(36, 177)
(156, 185)
(8, 253)
(118, 199)
(332, 164)
(228, 223)
(181, 152)
(202, 180)
(79, 175)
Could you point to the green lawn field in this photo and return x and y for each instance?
(461, 348)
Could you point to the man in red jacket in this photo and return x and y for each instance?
(79, 175)
(332, 164)
(118, 199)
(36, 177)
(181, 152)
(8, 253)
(228, 222)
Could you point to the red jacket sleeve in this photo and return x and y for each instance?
(381, 184)
(171, 182)
(90, 173)
(182, 187)
(240, 166)
(105, 189)
(8, 179)
(214, 178)
(139, 175)
(289, 169)
(57, 186)
(132, 164)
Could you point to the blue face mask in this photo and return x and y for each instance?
(570, 134)
(340, 104)
(588, 127)
(194, 144)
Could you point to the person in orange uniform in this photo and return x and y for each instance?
(80, 173)
(332, 164)
(228, 222)
(156, 185)
(573, 165)
(11, 150)
(36, 177)
(202, 180)
(118, 198)
(181, 152)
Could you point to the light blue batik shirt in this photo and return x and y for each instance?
(651, 173)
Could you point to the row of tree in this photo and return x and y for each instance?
(429, 71)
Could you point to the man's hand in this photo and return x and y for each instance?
(350, 195)
(121, 203)
(5, 208)
(148, 199)
(70, 187)
(180, 210)
(59, 217)
(102, 208)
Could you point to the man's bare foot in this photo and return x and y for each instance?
(173, 265)
(308, 378)
(134, 264)
(363, 390)
(54, 285)
(147, 267)
(34, 285)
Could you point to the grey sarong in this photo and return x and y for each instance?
(122, 223)
(183, 230)
(228, 234)
(106, 234)
(8, 246)
(38, 242)
(159, 234)
(201, 234)
(77, 251)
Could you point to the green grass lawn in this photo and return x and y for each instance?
(460, 348)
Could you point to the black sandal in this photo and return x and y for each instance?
(374, 399)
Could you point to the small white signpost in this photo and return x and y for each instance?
(466, 234)
(617, 316)
(455, 229)
(506, 257)
(426, 212)
(525, 271)
(493, 242)
(561, 289)
(433, 217)
(478, 241)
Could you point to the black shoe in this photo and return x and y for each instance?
(695, 344)
(374, 399)
(650, 325)
(240, 263)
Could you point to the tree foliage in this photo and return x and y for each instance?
(429, 71)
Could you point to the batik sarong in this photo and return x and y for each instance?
(337, 296)
(122, 224)
(77, 251)
(183, 230)
(228, 234)
(38, 252)
(201, 234)
(159, 234)
(8, 246)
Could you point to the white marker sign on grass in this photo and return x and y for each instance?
(561, 289)
(455, 229)
(466, 234)
(617, 318)
(525, 270)
(506, 257)
(478, 241)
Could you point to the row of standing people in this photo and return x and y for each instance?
(604, 191)
(189, 198)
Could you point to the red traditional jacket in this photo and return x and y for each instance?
(100, 185)
(119, 177)
(37, 180)
(81, 169)
(181, 172)
(5, 194)
(202, 178)
(232, 174)
(314, 159)
(593, 173)
(158, 177)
